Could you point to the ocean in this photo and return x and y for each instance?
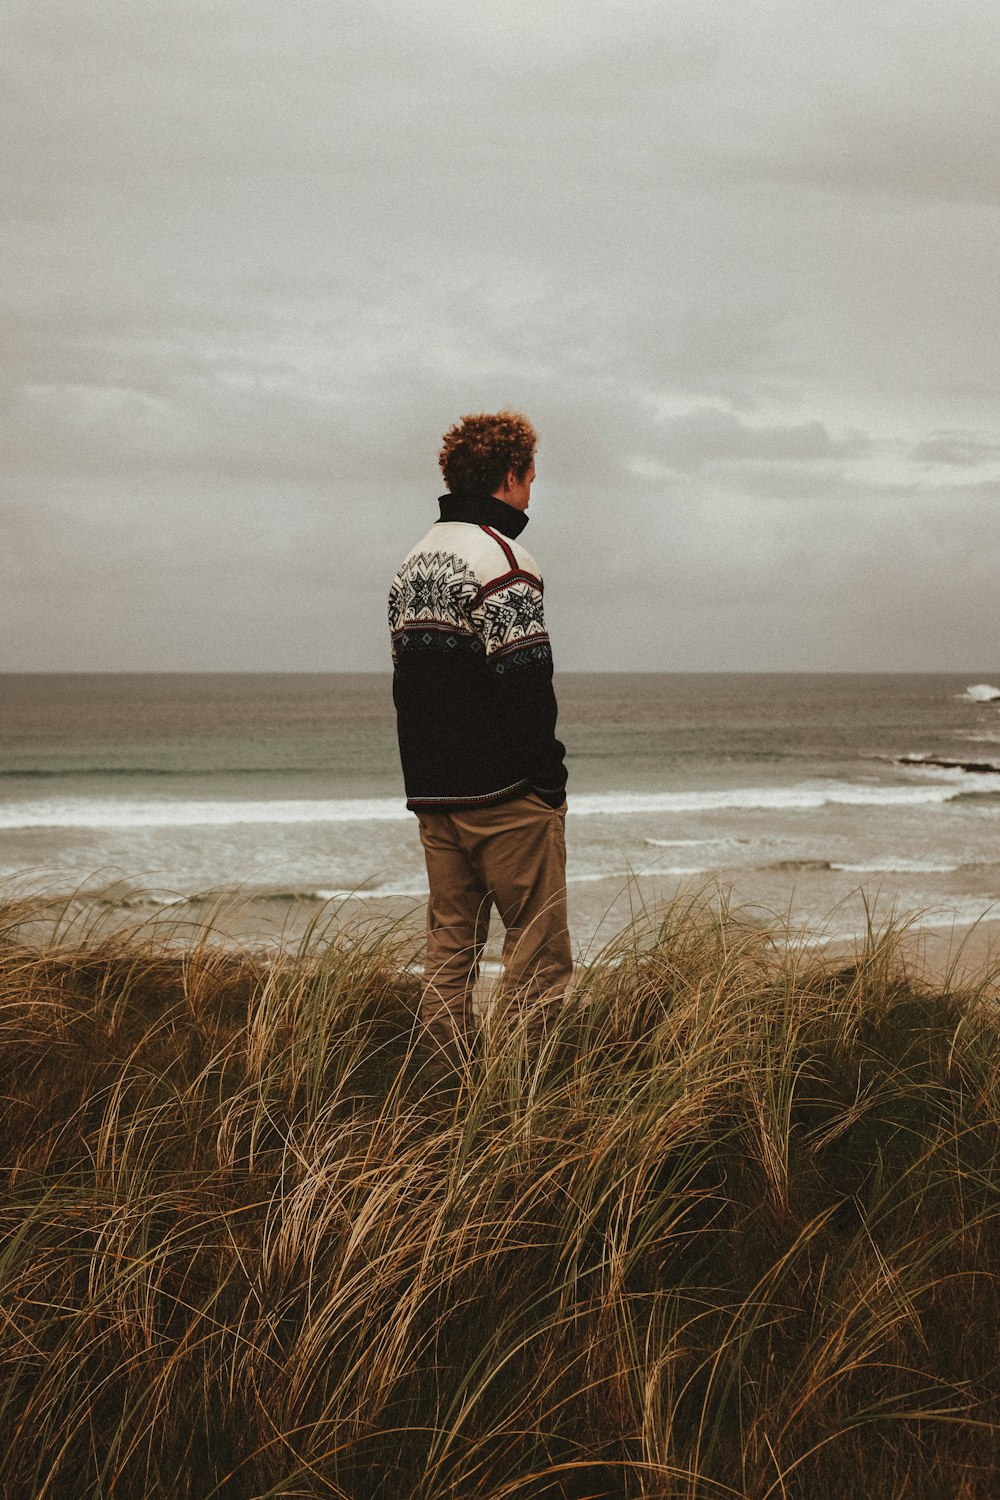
(809, 798)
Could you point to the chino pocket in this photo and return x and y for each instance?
(538, 801)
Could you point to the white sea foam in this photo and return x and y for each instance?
(962, 914)
(123, 813)
(684, 843)
(413, 888)
(890, 865)
(101, 812)
(804, 796)
(954, 917)
(981, 692)
(140, 902)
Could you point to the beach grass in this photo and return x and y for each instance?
(733, 1231)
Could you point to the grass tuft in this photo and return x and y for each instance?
(731, 1231)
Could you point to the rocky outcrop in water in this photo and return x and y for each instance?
(980, 767)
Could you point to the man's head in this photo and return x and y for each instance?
(491, 453)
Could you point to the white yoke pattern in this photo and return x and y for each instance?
(468, 580)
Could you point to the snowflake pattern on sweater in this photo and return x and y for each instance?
(438, 600)
(431, 595)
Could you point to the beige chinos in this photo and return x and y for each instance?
(511, 855)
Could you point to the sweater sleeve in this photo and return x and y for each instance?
(508, 616)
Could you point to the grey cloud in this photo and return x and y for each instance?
(962, 450)
(857, 582)
(711, 435)
(892, 101)
(800, 484)
(258, 258)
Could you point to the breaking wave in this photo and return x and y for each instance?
(71, 773)
(97, 812)
(889, 865)
(120, 813)
(804, 796)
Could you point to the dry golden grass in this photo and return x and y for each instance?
(734, 1232)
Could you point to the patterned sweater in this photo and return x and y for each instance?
(472, 678)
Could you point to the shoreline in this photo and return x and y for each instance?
(940, 943)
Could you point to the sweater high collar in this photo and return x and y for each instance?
(483, 510)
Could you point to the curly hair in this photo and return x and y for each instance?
(478, 451)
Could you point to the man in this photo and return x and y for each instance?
(476, 715)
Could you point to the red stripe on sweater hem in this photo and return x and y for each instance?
(523, 640)
(444, 627)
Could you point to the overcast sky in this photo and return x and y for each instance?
(737, 261)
